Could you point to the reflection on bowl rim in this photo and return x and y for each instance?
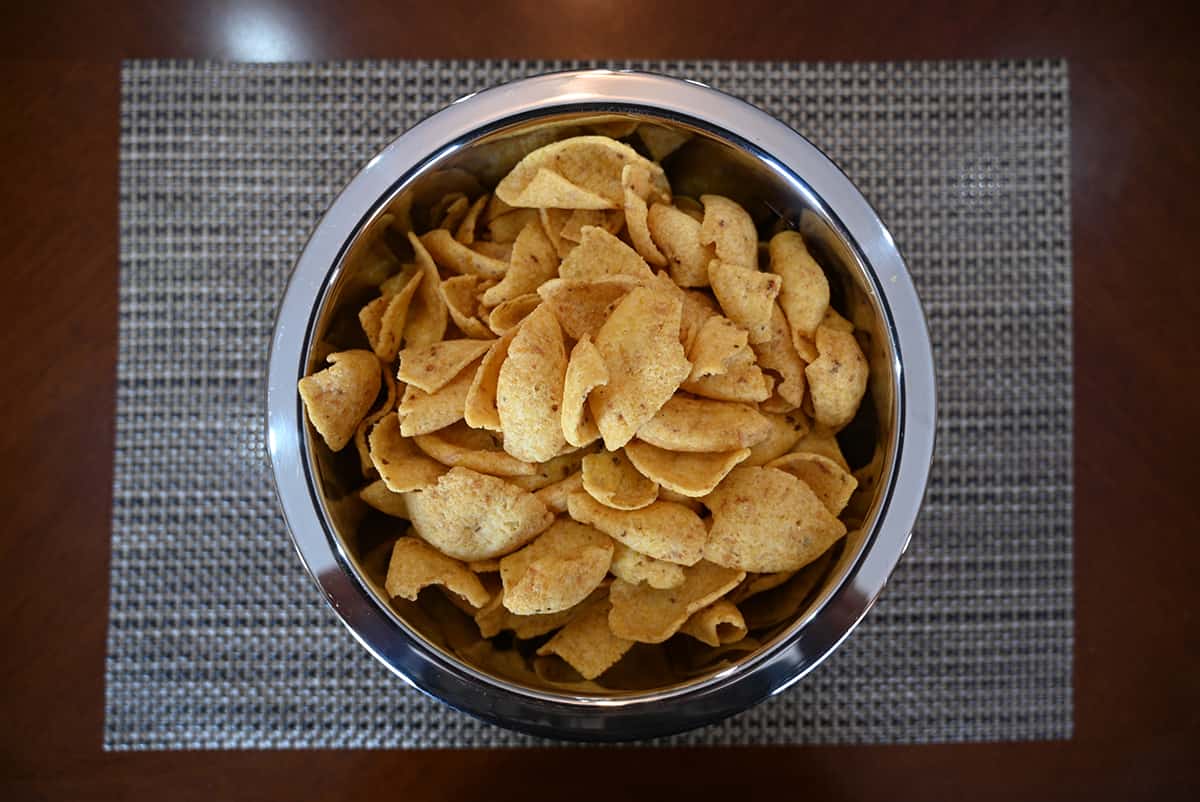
(625, 714)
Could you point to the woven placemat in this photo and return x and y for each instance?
(218, 639)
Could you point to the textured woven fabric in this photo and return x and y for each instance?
(219, 640)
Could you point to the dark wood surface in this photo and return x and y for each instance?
(1136, 236)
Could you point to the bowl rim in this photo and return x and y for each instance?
(556, 713)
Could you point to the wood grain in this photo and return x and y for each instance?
(1137, 293)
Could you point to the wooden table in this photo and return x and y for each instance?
(1136, 234)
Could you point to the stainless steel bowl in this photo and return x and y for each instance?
(736, 150)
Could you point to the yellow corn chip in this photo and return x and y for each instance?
(637, 188)
(692, 424)
(534, 262)
(495, 618)
(578, 173)
(554, 496)
(491, 566)
(820, 440)
(458, 293)
(645, 361)
(838, 378)
(477, 449)
(778, 353)
(450, 210)
(552, 221)
(508, 315)
(582, 305)
(610, 478)
(339, 396)
(805, 292)
(832, 483)
(508, 227)
(835, 321)
(364, 426)
(414, 565)
(697, 308)
(611, 220)
(677, 236)
(635, 567)
(400, 464)
(746, 296)
(692, 208)
(786, 430)
(614, 129)
(690, 474)
(383, 319)
(755, 584)
(765, 520)
(556, 470)
(377, 496)
(452, 255)
(717, 343)
(716, 624)
(663, 530)
(660, 140)
(599, 255)
(693, 504)
(464, 232)
(480, 404)
(743, 380)
(422, 412)
(427, 314)
(431, 367)
(529, 391)
(585, 372)
(587, 644)
(473, 516)
(731, 232)
(782, 603)
(556, 571)
(649, 615)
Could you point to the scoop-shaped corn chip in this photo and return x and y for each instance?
(364, 426)
(821, 440)
(449, 211)
(660, 140)
(786, 430)
(377, 496)
(743, 380)
(473, 516)
(635, 567)
(755, 584)
(778, 353)
(582, 305)
(495, 618)
(649, 615)
(782, 603)
(431, 367)
(717, 343)
(611, 220)
(716, 624)
(677, 236)
(585, 372)
(610, 478)
(450, 254)
(600, 254)
(831, 482)
(614, 128)
(338, 397)
(663, 530)
(746, 295)
(383, 320)
(508, 227)
(637, 190)
(557, 571)
(697, 308)
(555, 495)
(401, 464)
(464, 232)
(765, 520)
(693, 504)
(427, 314)
(508, 315)
(422, 412)
(414, 565)
(729, 229)
(480, 404)
(835, 321)
(690, 474)
(477, 449)
(838, 378)
(645, 360)
(534, 261)
(458, 293)
(500, 251)
(578, 173)
(587, 644)
(805, 292)
(693, 424)
(529, 391)
(552, 221)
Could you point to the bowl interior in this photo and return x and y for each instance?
(711, 161)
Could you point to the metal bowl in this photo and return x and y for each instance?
(735, 149)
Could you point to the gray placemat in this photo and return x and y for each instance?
(217, 637)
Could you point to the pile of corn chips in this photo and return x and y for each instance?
(607, 413)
